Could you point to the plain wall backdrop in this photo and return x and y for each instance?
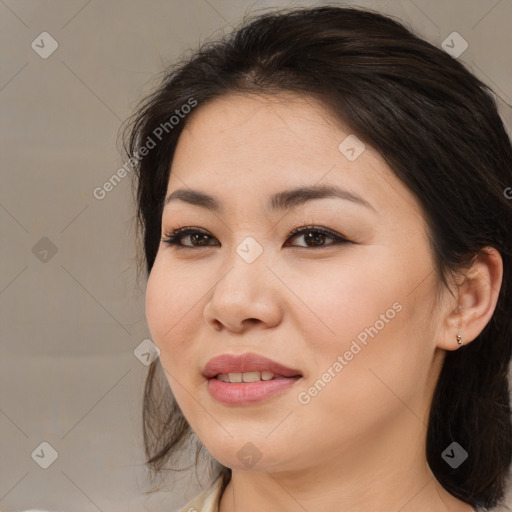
(72, 319)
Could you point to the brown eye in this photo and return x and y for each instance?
(197, 237)
(315, 236)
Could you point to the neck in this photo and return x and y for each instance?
(384, 472)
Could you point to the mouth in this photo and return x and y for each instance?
(237, 377)
(247, 379)
(247, 364)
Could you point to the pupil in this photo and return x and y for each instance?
(197, 238)
(311, 237)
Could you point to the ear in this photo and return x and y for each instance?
(476, 298)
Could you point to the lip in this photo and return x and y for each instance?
(246, 393)
(249, 362)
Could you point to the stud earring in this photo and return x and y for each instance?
(459, 339)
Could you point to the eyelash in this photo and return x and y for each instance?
(172, 238)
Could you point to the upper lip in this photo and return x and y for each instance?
(228, 363)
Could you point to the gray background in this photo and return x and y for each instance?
(71, 321)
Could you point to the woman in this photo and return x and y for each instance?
(322, 200)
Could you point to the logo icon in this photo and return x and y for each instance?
(454, 455)
(44, 250)
(249, 455)
(45, 455)
(249, 249)
(455, 45)
(44, 45)
(146, 352)
(351, 147)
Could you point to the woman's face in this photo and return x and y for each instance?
(356, 319)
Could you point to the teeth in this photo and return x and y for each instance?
(245, 377)
(251, 376)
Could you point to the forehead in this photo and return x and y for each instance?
(244, 136)
(273, 119)
(241, 146)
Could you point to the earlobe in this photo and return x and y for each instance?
(477, 296)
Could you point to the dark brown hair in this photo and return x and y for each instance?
(437, 127)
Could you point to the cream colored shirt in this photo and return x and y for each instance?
(207, 500)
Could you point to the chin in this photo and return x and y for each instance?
(250, 455)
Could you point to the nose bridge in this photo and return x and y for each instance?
(244, 291)
(246, 266)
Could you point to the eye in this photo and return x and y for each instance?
(315, 235)
(195, 235)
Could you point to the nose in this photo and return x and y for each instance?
(247, 296)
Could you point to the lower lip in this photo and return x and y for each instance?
(244, 393)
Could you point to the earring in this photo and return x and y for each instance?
(459, 339)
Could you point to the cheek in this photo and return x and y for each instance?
(173, 302)
(160, 309)
(172, 296)
(366, 314)
(340, 301)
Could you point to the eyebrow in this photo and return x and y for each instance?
(285, 200)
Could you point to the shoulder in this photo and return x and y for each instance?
(207, 501)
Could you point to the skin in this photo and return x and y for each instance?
(359, 444)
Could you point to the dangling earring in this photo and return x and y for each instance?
(459, 339)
